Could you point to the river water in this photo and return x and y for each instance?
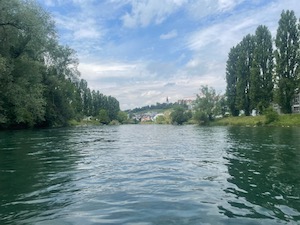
(150, 174)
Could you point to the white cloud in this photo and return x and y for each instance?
(226, 5)
(198, 9)
(86, 33)
(94, 71)
(195, 62)
(150, 11)
(80, 27)
(151, 94)
(125, 63)
(169, 35)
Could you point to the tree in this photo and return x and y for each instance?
(25, 30)
(231, 79)
(113, 107)
(103, 116)
(244, 65)
(161, 119)
(207, 104)
(261, 72)
(122, 117)
(179, 115)
(287, 60)
(39, 80)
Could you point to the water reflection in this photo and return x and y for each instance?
(265, 173)
(35, 173)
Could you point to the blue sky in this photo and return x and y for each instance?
(142, 51)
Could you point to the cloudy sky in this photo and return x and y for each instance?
(143, 51)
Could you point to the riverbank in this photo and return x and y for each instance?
(282, 121)
(292, 120)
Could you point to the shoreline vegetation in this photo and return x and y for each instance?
(284, 120)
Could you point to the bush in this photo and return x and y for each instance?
(122, 117)
(161, 120)
(103, 117)
(179, 116)
(271, 115)
(201, 117)
(114, 122)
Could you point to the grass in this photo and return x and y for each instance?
(240, 121)
(288, 120)
(83, 123)
(283, 120)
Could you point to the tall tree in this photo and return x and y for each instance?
(261, 73)
(287, 60)
(244, 65)
(25, 30)
(231, 79)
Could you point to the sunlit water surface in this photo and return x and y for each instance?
(150, 174)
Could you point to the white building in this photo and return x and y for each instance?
(296, 104)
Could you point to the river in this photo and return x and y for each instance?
(150, 174)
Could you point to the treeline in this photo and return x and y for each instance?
(39, 80)
(158, 106)
(257, 75)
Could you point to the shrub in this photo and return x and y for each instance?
(201, 117)
(179, 116)
(114, 122)
(271, 115)
(161, 120)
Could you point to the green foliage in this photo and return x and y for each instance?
(114, 122)
(159, 107)
(271, 115)
(244, 64)
(250, 68)
(103, 117)
(179, 115)
(201, 117)
(287, 120)
(261, 77)
(287, 60)
(39, 80)
(122, 117)
(240, 121)
(160, 120)
(283, 120)
(207, 105)
(231, 79)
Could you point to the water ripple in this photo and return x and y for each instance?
(150, 175)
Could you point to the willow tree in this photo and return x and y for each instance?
(37, 79)
(25, 30)
(261, 76)
(287, 60)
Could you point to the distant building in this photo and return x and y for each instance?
(296, 104)
(146, 118)
(187, 101)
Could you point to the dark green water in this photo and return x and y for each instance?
(150, 174)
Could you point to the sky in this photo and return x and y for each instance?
(145, 51)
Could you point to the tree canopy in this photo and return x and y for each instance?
(287, 57)
(207, 105)
(255, 78)
(39, 80)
